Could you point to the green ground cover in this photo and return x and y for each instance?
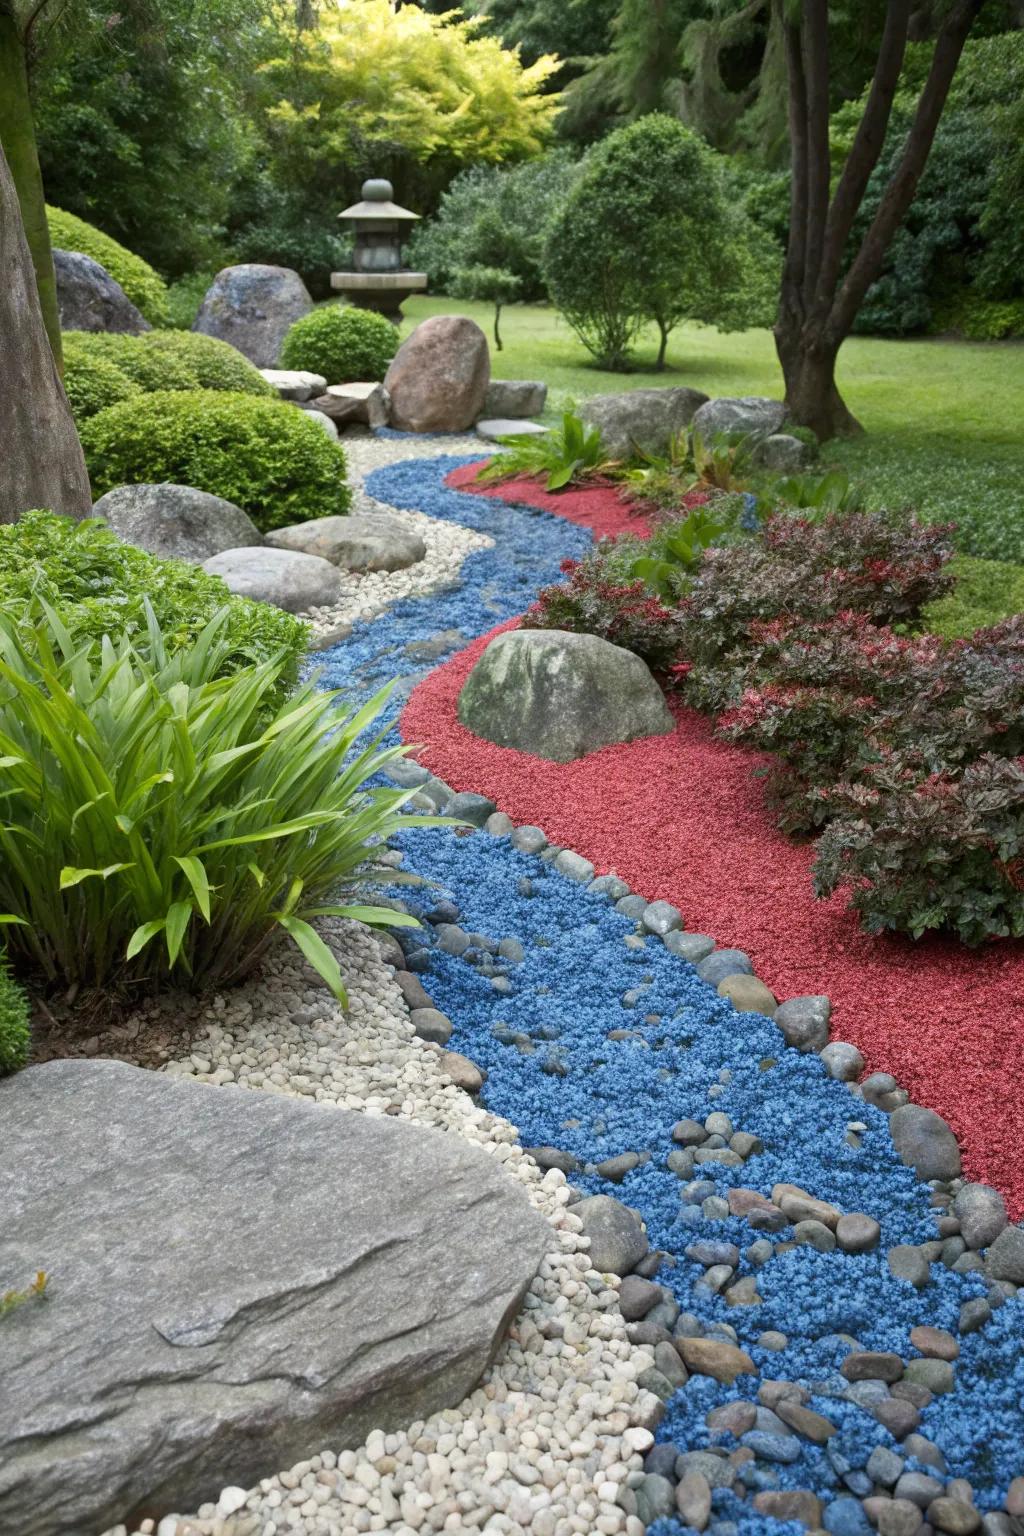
(943, 418)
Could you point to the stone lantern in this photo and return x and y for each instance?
(379, 281)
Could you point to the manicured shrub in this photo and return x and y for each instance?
(14, 1022)
(147, 367)
(213, 364)
(266, 456)
(146, 288)
(102, 587)
(345, 344)
(161, 822)
(91, 380)
(943, 852)
(596, 600)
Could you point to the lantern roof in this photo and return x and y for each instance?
(377, 203)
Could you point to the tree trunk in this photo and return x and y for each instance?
(663, 348)
(497, 327)
(41, 463)
(18, 141)
(812, 396)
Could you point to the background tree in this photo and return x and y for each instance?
(648, 234)
(825, 279)
(42, 463)
(20, 23)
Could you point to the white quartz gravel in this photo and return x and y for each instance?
(365, 595)
(552, 1440)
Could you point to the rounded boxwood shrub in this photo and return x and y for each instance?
(92, 381)
(14, 1022)
(147, 367)
(146, 288)
(214, 364)
(345, 344)
(101, 587)
(268, 457)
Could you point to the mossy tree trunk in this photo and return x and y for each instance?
(41, 463)
(18, 139)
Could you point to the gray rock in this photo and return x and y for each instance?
(89, 299)
(553, 1157)
(499, 825)
(722, 963)
(367, 543)
(925, 1142)
(692, 947)
(655, 1498)
(325, 423)
(517, 398)
(882, 1090)
(645, 419)
(610, 886)
(476, 809)
(295, 383)
(283, 577)
(431, 1024)
(937, 1375)
(842, 1061)
(614, 1169)
(438, 378)
(617, 1239)
(804, 1022)
(782, 453)
(1005, 1259)
(560, 696)
(369, 404)
(884, 1466)
(575, 866)
(252, 306)
(528, 839)
(857, 1232)
(637, 1296)
(333, 1272)
(981, 1213)
(919, 1488)
(493, 428)
(693, 1500)
(739, 416)
(661, 917)
(908, 1263)
(176, 521)
(631, 906)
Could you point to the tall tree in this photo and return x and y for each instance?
(20, 21)
(824, 278)
(42, 463)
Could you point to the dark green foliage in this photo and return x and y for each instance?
(143, 120)
(598, 600)
(14, 1022)
(959, 250)
(563, 455)
(345, 344)
(102, 585)
(495, 216)
(146, 288)
(647, 233)
(266, 456)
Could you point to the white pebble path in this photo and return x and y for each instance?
(552, 1440)
(364, 596)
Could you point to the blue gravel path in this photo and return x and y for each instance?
(553, 1071)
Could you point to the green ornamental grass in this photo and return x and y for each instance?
(161, 823)
(105, 587)
(267, 456)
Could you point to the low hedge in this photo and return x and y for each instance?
(101, 587)
(345, 344)
(92, 380)
(213, 364)
(145, 287)
(135, 359)
(268, 457)
(14, 1022)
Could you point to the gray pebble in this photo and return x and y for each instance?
(431, 1024)
(528, 839)
(499, 825)
(630, 906)
(842, 1061)
(804, 1022)
(722, 963)
(472, 808)
(692, 947)
(610, 886)
(908, 1263)
(661, 917)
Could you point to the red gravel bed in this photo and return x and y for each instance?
(681, 817)
(597, 507)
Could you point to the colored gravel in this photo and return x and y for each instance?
(682, 817)
(597, 1042)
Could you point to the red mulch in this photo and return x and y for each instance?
(598, 507)
(680, 817)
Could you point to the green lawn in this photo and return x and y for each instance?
(944, 419)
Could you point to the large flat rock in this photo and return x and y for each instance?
(236, 1280)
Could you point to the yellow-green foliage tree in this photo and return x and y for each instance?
(406, 93)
